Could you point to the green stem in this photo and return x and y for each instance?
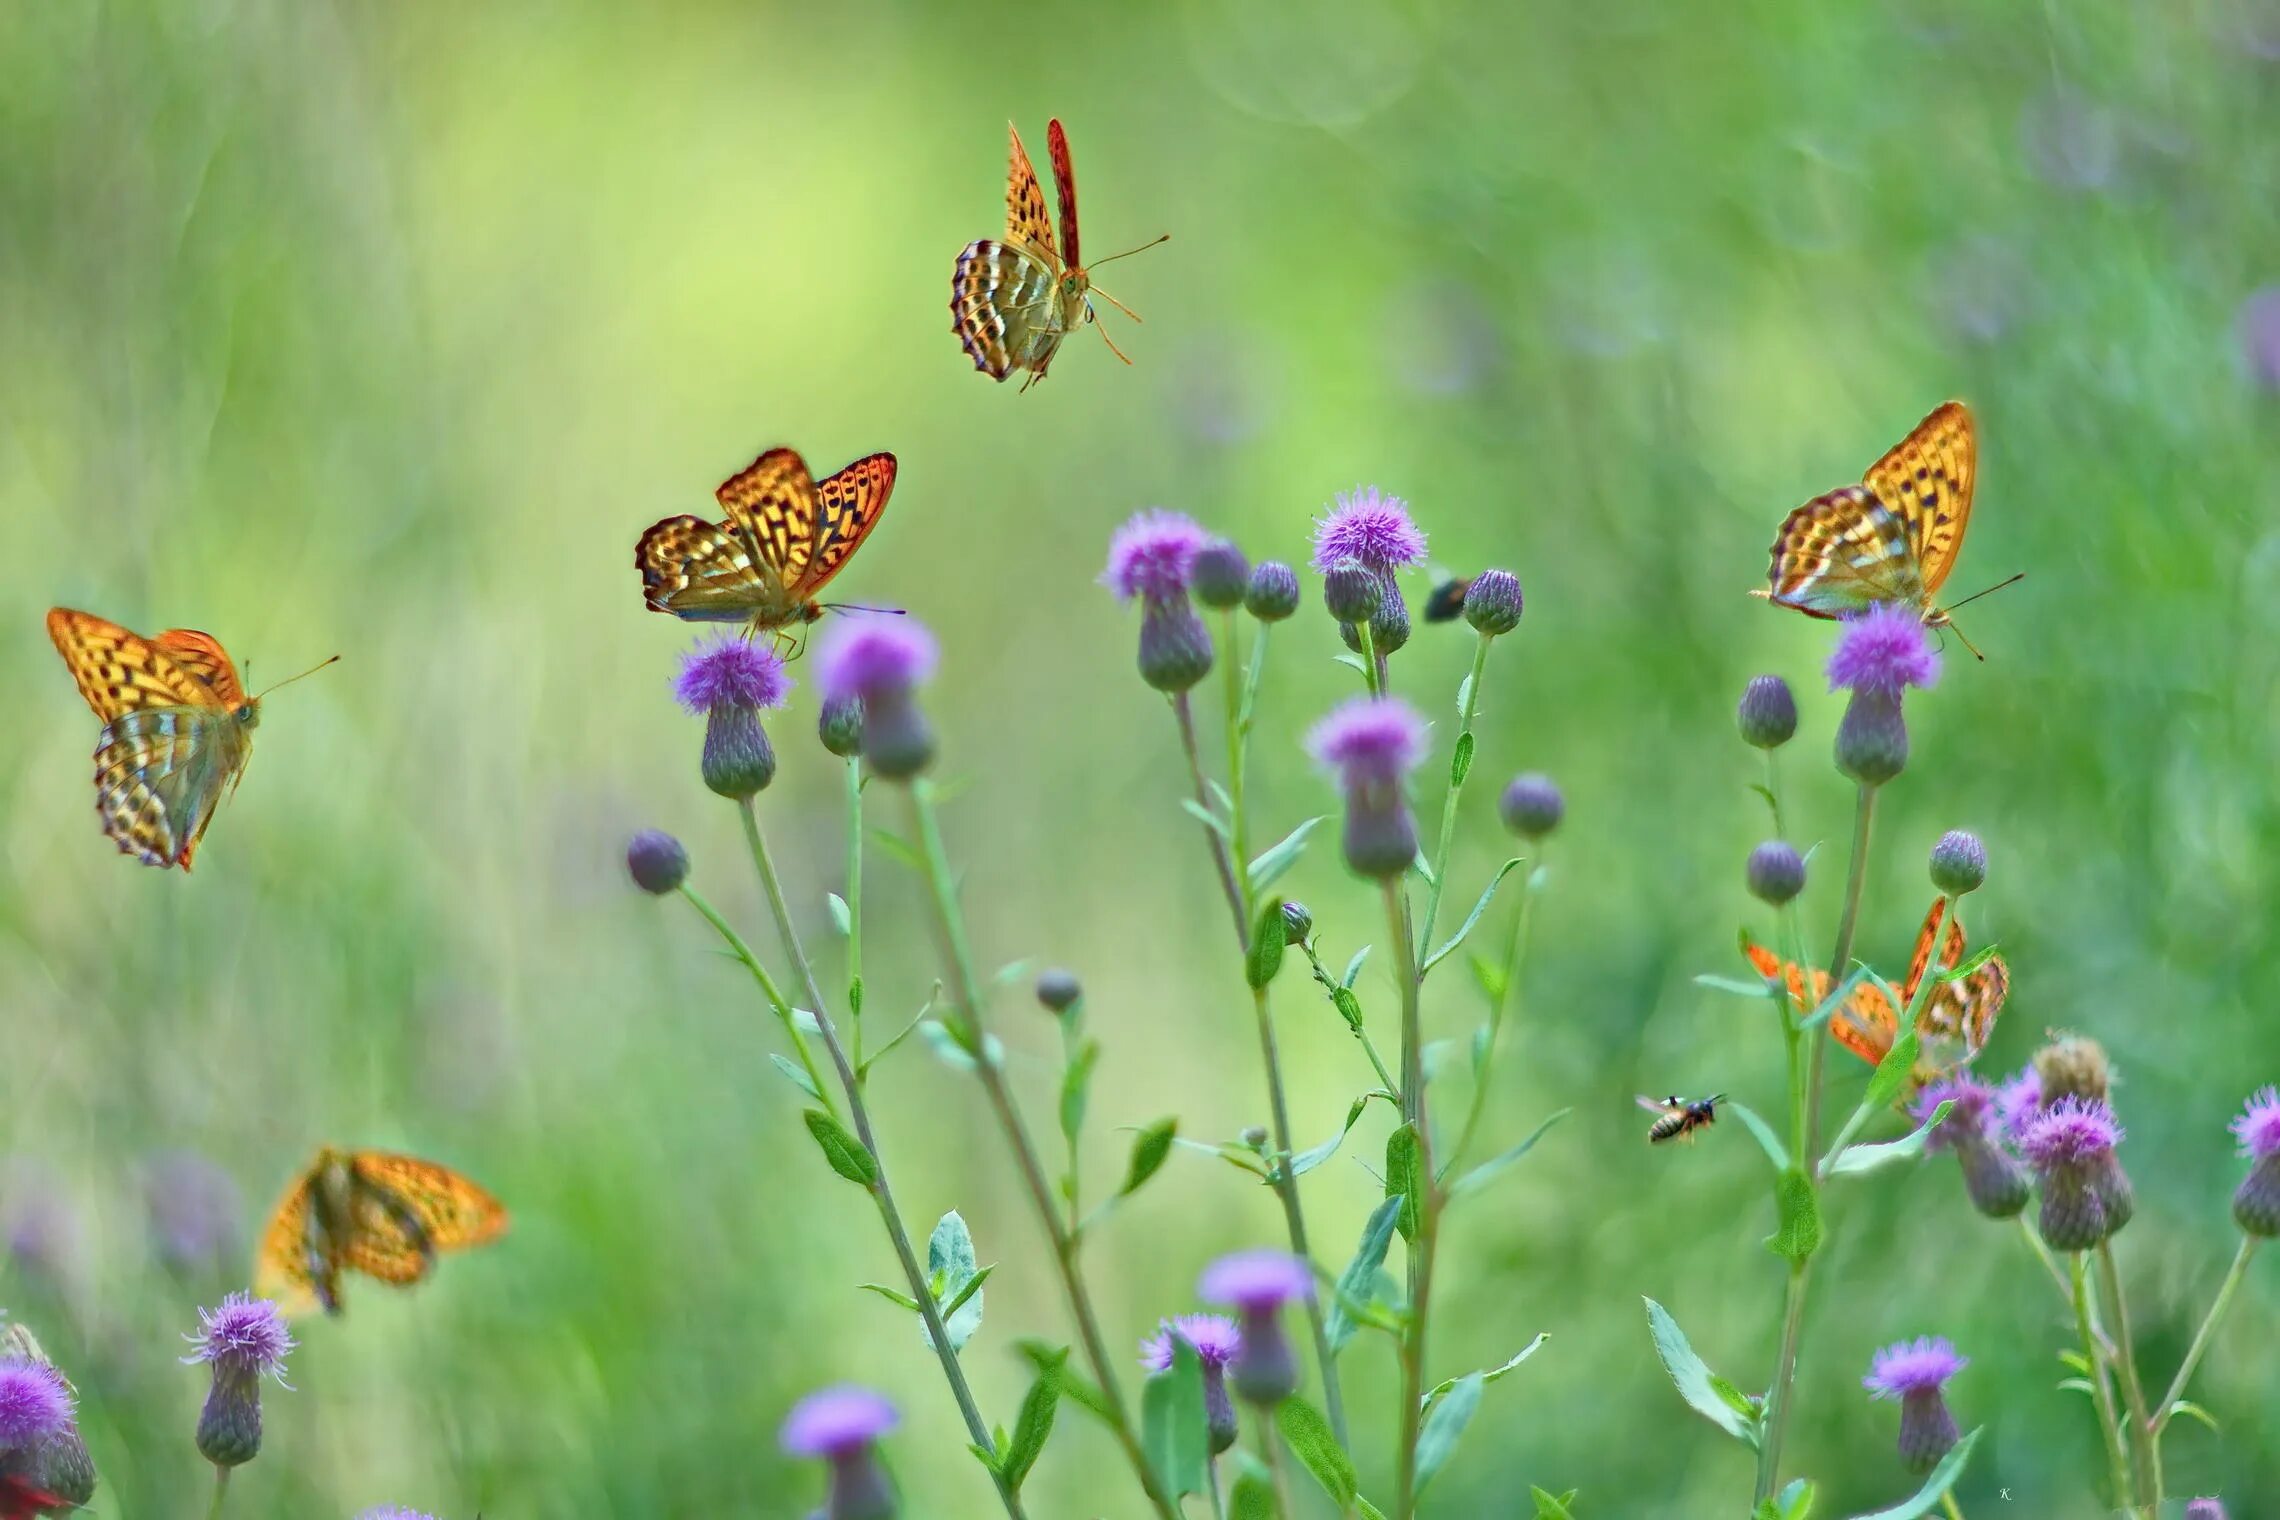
(1294, 1218)
(2117, 1465)
(221, 1491)
(2202, 1336)
(1361, 1033)
(1270, 1452)
(1422, 1249)
(1947, 1503)
(1238, 726)
(1856, 878)
(1467, 710)
(1218, 1499)
(776, 1000)
(855, 906)
(882, 1193)
(951, 924)
(1515, 953)
(1218, 846)
(1373, 668)
(2145, 1452)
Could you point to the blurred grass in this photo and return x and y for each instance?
(385, 330)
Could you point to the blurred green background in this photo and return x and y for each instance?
(386, 329)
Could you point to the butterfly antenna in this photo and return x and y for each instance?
(289, 680)
(864, 607)
(1127, 253)
(1991, 590)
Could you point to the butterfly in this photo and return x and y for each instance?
(1680, 1118)
(1957, 1019)
(177, 730)
(786, 534)
(1012, 303)
(1891, 539)
(386, 1216)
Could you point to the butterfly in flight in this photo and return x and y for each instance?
(383, 1215)
(785, 534)
(1012, 303)
(1958, 1016)
(1891, 539)
(1679, 1118)
(177, 730)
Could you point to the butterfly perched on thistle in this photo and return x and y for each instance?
(784, 536)
(383, 1215)
(177, 730)
(1891, 539)
(1958, 1014)
(1012, 302)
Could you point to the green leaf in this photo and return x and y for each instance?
(1270, 864)
(899, 849)
(1767, 1140)
(950, 1268)
(841, 918)
(1797, 1231)
(1034, 1423)
(1493, 1373)
(1310, 1438)
(950, 1050)
(1461, 762)
(1367, 1510)
(1424, 868)
(1551, 1506)
(1489, 976)
(1488, 1171)
(1794, 1502)
(1353, 662)
(1012, 972)
(1936, 1484)
(796, 1074)
(1892, 1072)
(1471, 918)
(1076, 1085)
(958, 1300)
(1401, 1178)
(891, 1296)
(1307, 1160)
(855, 996)
(1075, 1386)
(1228, 1151)
(1754, 991)
(1693, 1377)
(1267, 943)
(1203, 815)
(1355, 1282)
(1464, 696)
(1444, 1423)
(1867, 1158)
(845, 1153)
(1354, 967)
(2195, 1411)
(1149, 1149)
(1349, 1006)
(1252, 1498)
(1736, 1400)
(1173, 1433)
(1969, 964)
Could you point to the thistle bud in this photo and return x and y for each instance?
(1531, 805)
(1257, 1284)
(1273, 592)
(1768, 712)
(1219, 575)
(1352, 593)
(739, 762)
(243, 1341)
(1298, 923)
(1872, 738)
(1175, 646)
(657, 862)
(1959, 863)
(1371, 744)
(1059, 990)
(1493, 602)
(2256, 1203)
(880, 662)
(1776, 872)
(840, 726)
(2073, 1066)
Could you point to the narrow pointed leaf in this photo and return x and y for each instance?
(1076, 1087)
(1310, 1438)
(1354, 967)
(1444, 1423)
(840, 1147)
(1269, 866)
(1268, 939)
(841, 918)
(1149, 1149)
(1797, 1210)
(1173, 1434)
(1307, 1160)
(1402, 1182)
(1487, 894)
(1867, 1158)
(1460, 763)
(1034, 1423)
(1203, 815)
(1488, 1171)
(892, 1296)
(1936, 1484)
(795, 1074)
(1693, 1377)
(1355, 1282)
(1767, 1140)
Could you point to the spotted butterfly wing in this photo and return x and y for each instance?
(1012, 302)
(848, 507)
(384, 1215)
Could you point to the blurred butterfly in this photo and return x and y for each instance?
(1680, 1119)
(785, 536)
(1012, 303)
(1446, 602)
(386, 1216)
(1891, 539)
(1957, 1019)
(178, 730)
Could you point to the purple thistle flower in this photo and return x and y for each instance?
(842, 1425)
(1150, 556)
(2260, 336)
(1884, 649)
(2258, 1127)
(877, 661)
(1966, 1121)
(1370, 529)
(1916, 1373)
(392, 1512)
(2086, 1196)
(2207, 1507)
(242, 1340)
(1992, 1177)
(1217, 1343)
(35, 1406)
(1370, 744)
(730, 671)
(2256, 1203)
(2071, 1132)
(2018, 1100)
(1258, 1284)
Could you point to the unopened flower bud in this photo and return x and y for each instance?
(1776, 872)
(739, 762)
(1493, 603)
(1175, 647)
(657, 862)
(1872, 738)
(1959, 863)
(1273, 592)
(840, 726)
(1219, 575)
(1768, 712)
(1531, 805)
(1352, 593)
(1058, 989)
(1298, 923)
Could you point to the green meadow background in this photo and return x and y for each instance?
(385, 329)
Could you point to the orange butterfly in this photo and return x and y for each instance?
(1954, 1026)
(785, 536)
(386, 1216)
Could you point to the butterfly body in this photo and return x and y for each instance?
(1891, 539)
(1680, 1118)
(384, 1215)
(177, 730)
(782, 537)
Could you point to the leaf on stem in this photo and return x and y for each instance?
(1472, 918)
(1354, 967)
(1491, 1374)
(1693, 1378)
(1488, 1171)
(1173, 1434)
(1551, 1506)
(1204, 816)
(1253, 1498)
(1269, 937)
(795, 1074)
(1867, 1158)
(841, 918)
(1460, 763)
(1936, 1484)
(1308, 1434)
(1402, 1182)
(1307, 1160)
(1797, 1208)
(1767, 1140)
(1356, 1282)
(1074, 1385)
(1076, 1085)
(1444, 1423)
(1271, 863)
(1034, 1423)
(1149, 1148)
(845, 1153)
(892, 1296)
(954, 1280)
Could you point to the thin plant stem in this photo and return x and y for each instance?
(1218, 846)
(1373, 668)
(1856, 878)
(1413, 1113)
(2117, 1464)
(1948, 1506)
(1773, 791)
(1515, 954)
(2145, 1450)
(777, 1002)
(221, 1491)
(1361, 1032)
(950, 921)
(1270, 1452)
(1211, 1481)
(882, 1193)
(2202, 1336)
(1784, 1376)
(1466, 712)
(855, 906)
(1237, 726)
(1294, 1218)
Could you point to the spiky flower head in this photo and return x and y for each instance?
(1220, 575)
(1151, 556)
(35, 1407)
(1370, 529)
(1916, 1373)
(1273, 592)
(842, 1425)
(2256, 1202)
(657, 862)
(1257, 1284)
(1883, 649)
(243, 1341)
(51, 1472)
(1971, 1101)
(730, 671)
(1531, 805)
(1217, 1343)
(1994, 1180)
(1493, 603)
(2018, 1100)
(1776, 872)
(1370, 744)
(880, 662)
(2085, 1195)
(1959, 863)
(2073, 1066)
(1059, 990)
(2209, 1506)
(1767, 715)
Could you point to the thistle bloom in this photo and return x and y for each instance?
(2208, 1507)
(391, 1512)
(2256, 1203)
(1776, 872)
(726, 682)
(1370, 529)
(1915, 1373)
(1767, 715)
(878, 661)
(1217, 1342)
(243, 1340)
(2085, 1195)
(46, 1471)
(842, 1425)
(657, 862)
(1257, 1284)
(1151, 560)
(1879, 654)
(1371, 744)
(2017, 1102)
(35, 1408)
(1993, 1178)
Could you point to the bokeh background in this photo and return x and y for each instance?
(385, 330)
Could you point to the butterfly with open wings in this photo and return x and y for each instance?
(1012, 302)
(1958, 1015)
(383, 1215)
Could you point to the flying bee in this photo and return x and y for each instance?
(1679, 1118)
(1447, 602)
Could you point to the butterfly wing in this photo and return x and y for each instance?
(1842, 553)
(849, 504)
(202, 655)
(160, 773)
(704, 573)
(1065, 184)
(428, 1202)
(1927, 479)
(1004, 308)
(290, 1266)
(1026, 224)
(121, 672)
(772, 504)
(1866, 1025)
